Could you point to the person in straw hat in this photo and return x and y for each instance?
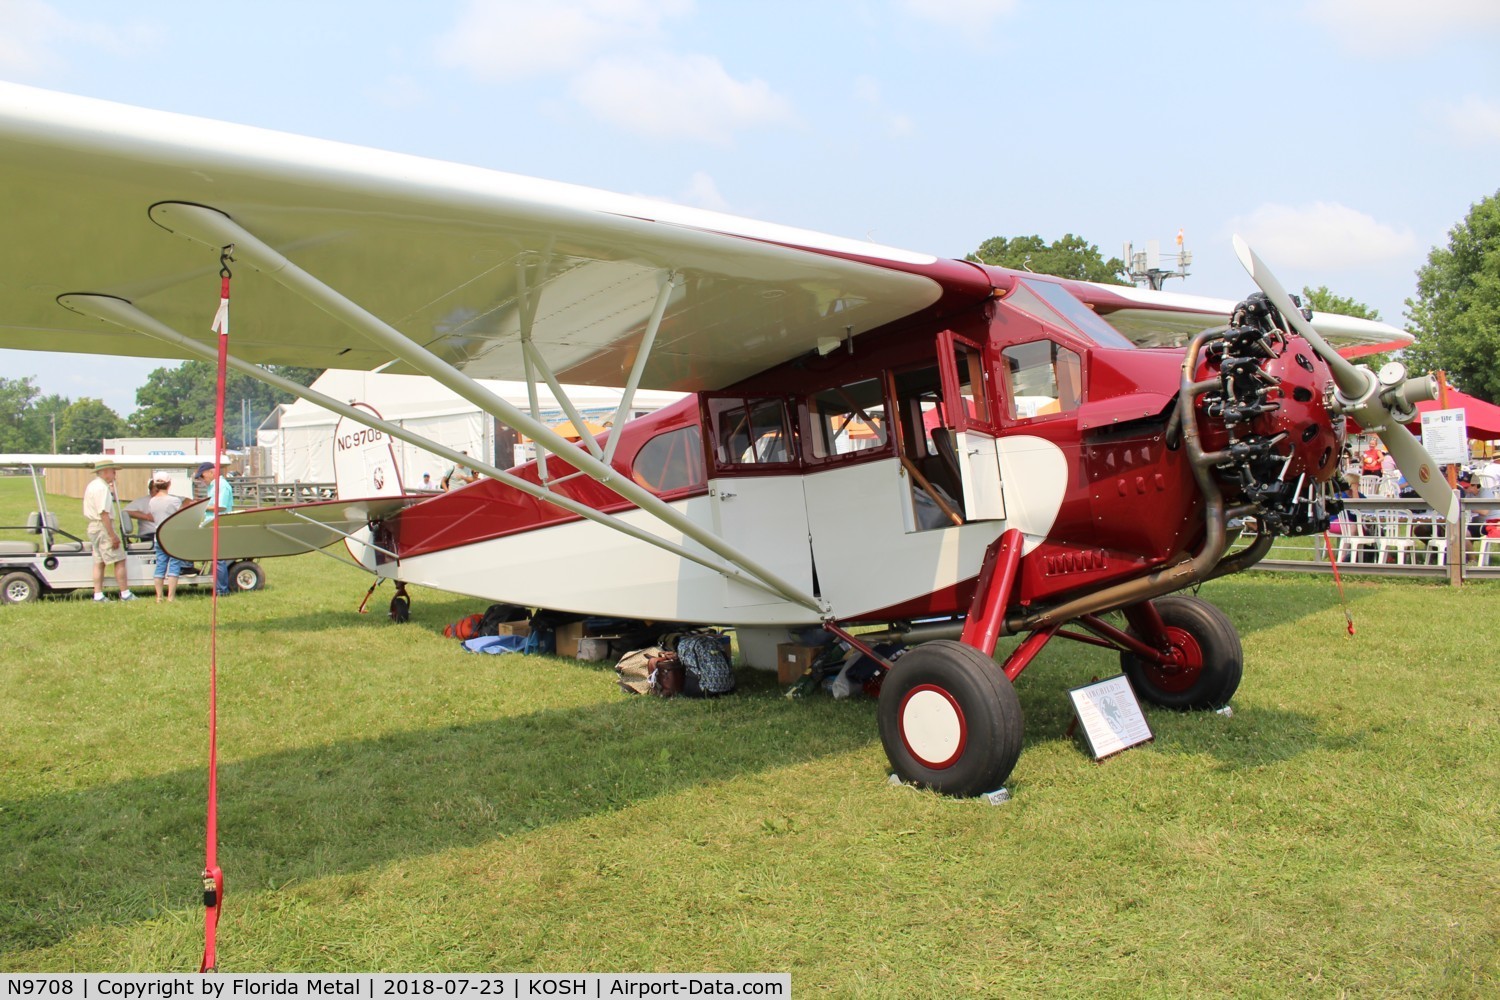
(104, 533)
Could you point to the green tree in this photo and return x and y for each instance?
(1070, 257)
(16, 396)
(83, 426)
(37, 425)
(179, 401)
(1456, 312)
(1321, 300)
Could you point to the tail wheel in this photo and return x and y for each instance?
(1205, 663)
(246, 575)
(19, 587)
(950, 720)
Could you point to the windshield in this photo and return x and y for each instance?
(1051, 303)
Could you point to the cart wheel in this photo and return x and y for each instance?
(246, 576)
(19, 587)
(1207, 661)
(950, 719)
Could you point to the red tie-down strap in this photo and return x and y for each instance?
(213, 875)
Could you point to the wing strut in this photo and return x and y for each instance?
(534, 361)
(122, 313)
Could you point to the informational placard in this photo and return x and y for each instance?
(1445, 435)
(1111, 716)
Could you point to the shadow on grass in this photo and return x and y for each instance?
(130, 850)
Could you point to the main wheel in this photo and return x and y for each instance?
(19, 587)
(246, 576)
(1206, 660)
(950, 719)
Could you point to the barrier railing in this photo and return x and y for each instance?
(1392, 537)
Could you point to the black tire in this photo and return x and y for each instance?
(246, 575)
(965, 704)
(1210, 658)
(19, 587)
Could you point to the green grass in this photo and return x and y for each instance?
(390, 802)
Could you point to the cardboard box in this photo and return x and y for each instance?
(513, 628)
(792, 661)
(567, 639)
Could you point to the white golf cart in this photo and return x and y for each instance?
(58, 562)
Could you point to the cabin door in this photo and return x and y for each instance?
(970, 402)
(760, 509)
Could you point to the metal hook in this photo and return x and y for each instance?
(226, 256)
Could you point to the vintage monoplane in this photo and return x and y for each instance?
(874, 436)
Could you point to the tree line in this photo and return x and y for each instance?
(1455, 316)
(174, 402)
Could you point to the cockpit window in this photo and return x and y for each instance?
(1043, 378)
(1052, 303)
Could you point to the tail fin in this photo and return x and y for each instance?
(364, 461)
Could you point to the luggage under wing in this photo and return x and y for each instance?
(264, 532)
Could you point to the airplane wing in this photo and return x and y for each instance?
(444, 253)
(264, 532)
(1158, 319)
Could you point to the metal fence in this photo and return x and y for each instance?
(260, 491)
(1398, 538)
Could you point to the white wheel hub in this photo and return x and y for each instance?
(933, 726)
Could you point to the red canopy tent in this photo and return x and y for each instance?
(1483, 418)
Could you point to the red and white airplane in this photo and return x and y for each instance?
(873, 435)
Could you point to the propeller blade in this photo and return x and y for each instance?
(1359, 392)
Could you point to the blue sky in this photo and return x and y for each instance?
(1343, 138)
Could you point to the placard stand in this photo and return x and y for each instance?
(1111, 716)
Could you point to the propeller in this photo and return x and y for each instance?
(1381, 404)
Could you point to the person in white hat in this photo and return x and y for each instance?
(104, 535)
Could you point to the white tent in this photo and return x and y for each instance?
(299, 438)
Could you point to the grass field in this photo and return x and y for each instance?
(392, 803)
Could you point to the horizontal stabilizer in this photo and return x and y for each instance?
(263, 532)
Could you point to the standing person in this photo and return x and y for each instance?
(220, 501)
(104, 534)
(161, 506)
(460, 472)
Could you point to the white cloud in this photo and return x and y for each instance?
(506, 39)
(1397, 27)
(1474, 121)
(702, 192)
(35, 36)
(958, 13)
(1323, 235)
(682, 96)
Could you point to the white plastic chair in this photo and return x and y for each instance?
(1437, 542)
(1369, 486)
(1356, 534)
(1395, 536)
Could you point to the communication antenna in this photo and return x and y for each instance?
(1145, 268)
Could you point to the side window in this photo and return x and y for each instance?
(750, 431)
(847, 419)
(1043, 378)
(673, 460)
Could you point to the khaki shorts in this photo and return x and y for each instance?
(103, 553)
